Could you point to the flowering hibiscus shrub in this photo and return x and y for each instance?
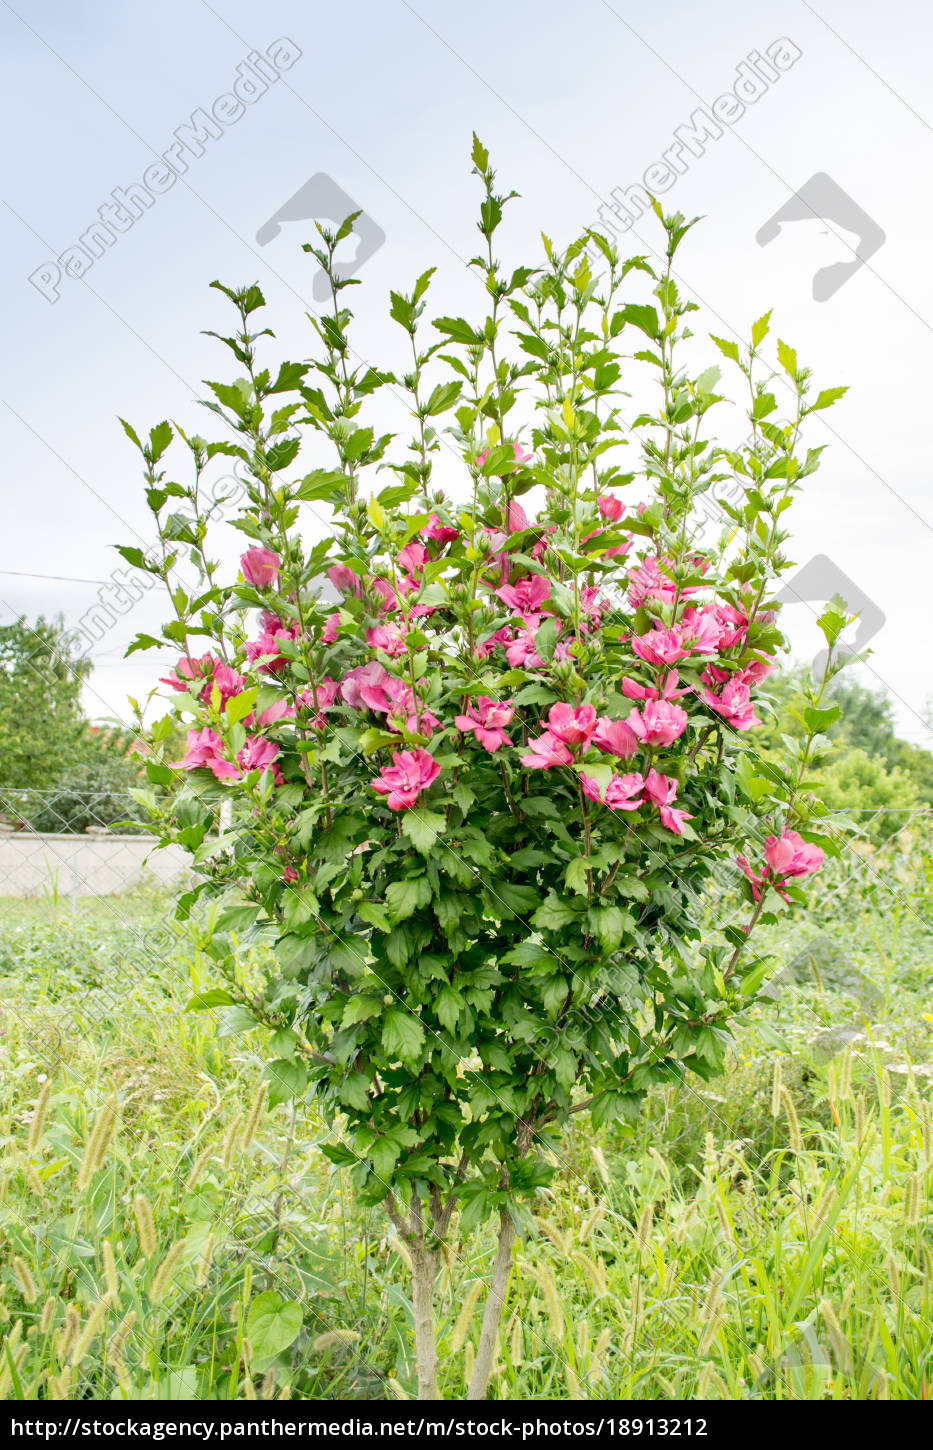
(476, 792)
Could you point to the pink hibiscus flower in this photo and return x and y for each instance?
(658, 722)
(260, 567)
(574, 725)
(403, 781)
(545, 752)
(486, 719)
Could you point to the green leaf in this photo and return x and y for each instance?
(286, 1080)
(449, 1006)
(817, 720)
(216, 997)
(546, 638)
(359, 1008)
(575, 876)
(422, 828)
(340, 1154)
(372, 912)
(404, 897)
(787, 357)
(610, 923)
(458, 329)
(643, 317)
(272, 1324)
(385, 1154)
(239, 706)
(727, 348)
(826, 398)
(553, 913)
(402, 1035)
(760, 329)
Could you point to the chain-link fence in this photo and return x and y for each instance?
(61, 844)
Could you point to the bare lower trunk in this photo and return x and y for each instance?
(495, 1303)
(423, 1272)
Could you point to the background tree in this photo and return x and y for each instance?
(57, 771)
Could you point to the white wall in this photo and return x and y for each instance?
(85, 865)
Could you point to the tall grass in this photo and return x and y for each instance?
(163, 1234)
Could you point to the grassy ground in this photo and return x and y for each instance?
(765, 1236)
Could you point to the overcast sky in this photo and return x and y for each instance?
(380, 98)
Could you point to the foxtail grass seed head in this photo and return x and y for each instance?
(465, 1317)
(595, 1272)
(551, 1302)
(894, 1276)
(837, 1338)
(517, 1345)
(662, 1165)
(247, 1284)
(267, 1389)
(794, 1137)
(592, 1223)
(254, 1116)
(204, 1260)
(39, 1115)
(583, 1337)
(198, 1166)
(885, 1087)
(845, 1076)
(710, 1156)
(776, 1089)
(396, 1388)
(927, 1138)
(23, 1276)
(722, 1214)
(68, 1332)
(231, 1144)
(709, 1334)
(47, 1317)
(165, 1273)
(599, 1161)
(334, 1337)
(33, 1179)
(120, 1335)
(573, 1384)
(402, 1250)
(713, 1297)
(913, 1193)
(110, 1270)
(704, 1380)
(145, 1225)
(98, 1144)
(249, 1389)
(554, 1235)
(468, 1361)
(861, 1119)
(643, 1231)
(60, 1385)
(89, 1333)
(599, 1350)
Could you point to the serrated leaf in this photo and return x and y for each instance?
(423, 828)
(359, 1008)
(402, 1035)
